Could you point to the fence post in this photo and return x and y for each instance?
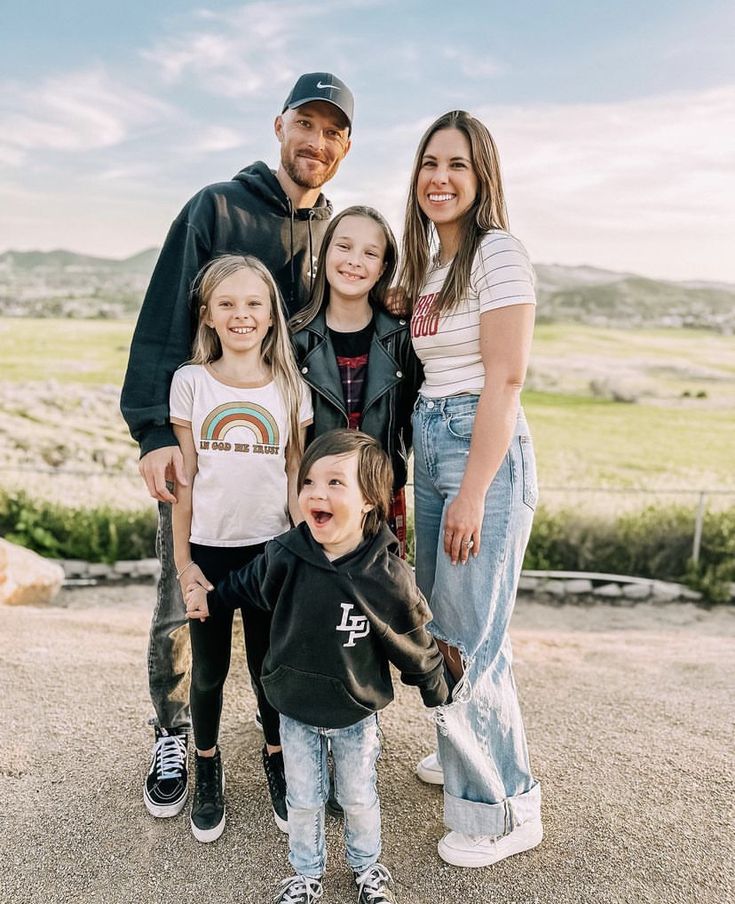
(698, 525)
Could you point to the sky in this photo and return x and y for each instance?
(615, 121)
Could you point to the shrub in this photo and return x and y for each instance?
(99, 534)
(655, 542)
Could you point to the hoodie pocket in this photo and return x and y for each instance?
(319, 700)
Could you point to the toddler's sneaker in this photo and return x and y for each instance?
(430, 770)
(375, 885)
(165, 788)
(208, 809)
(298, 890)
(276, 777)
(484, 850)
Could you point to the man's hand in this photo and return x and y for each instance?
(196, 602)
(160, 465)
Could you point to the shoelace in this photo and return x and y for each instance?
(299, 890)
(209, 780)
(169, 756)
(275, 778)
(373, 882)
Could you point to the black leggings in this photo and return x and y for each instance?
(211, 646)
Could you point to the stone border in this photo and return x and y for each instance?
(622, 592)
(552, 587)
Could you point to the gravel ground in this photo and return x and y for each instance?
(628, 713)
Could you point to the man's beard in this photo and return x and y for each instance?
(306, 179)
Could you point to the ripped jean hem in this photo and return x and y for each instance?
(475, 818)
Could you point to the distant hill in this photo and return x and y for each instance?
(606, 298)
(64, 284)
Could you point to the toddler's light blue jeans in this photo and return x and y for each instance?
(488, 786)
(355, 751)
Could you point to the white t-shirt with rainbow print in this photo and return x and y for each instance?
(240, 491)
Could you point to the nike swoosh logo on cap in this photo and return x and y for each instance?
(319, 85)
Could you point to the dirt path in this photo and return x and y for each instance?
(629, 718)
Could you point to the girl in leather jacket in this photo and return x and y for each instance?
(355, 355)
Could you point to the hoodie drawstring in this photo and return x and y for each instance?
(311, 253)
(291, 264)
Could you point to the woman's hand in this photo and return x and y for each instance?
(463, 527)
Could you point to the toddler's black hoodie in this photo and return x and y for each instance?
(336, 626)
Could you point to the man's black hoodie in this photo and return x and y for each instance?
(250, 214)
(336, 627)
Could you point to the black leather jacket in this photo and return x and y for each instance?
(393, 379)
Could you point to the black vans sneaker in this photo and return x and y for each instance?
(375, 886)
(276, 776)
(208, 809)
(299, 890)
(165, 789)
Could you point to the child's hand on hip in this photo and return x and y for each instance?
(196, 602)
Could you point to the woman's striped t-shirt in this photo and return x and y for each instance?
(449, 345)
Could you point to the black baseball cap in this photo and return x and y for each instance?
(322, 86)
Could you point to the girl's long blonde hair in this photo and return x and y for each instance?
(487, 212)
(276, 348)
(319, 297)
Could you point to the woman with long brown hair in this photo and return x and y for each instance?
(470, 284)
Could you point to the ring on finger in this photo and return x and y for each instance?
(468, 544)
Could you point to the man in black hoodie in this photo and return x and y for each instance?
(280, 217)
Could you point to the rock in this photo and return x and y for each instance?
(688, 594)
(74, 568)
(98, 569)
(608, 590)
(27, 578)
(553, 588)
(148, 568)
(526, 583)
(126, 567)
(578, 585)
(637, 591)
(662, 590)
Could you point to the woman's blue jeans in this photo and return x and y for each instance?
(488, 786)
(355, 751)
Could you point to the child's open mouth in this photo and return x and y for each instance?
(321, 517)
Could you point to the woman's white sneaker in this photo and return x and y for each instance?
(484, 850)
(430, 770)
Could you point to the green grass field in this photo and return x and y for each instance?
(667, 440)
(91, 352)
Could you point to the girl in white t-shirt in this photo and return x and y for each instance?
(239, 410)
(474, 479)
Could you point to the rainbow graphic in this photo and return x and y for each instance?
(241, 414)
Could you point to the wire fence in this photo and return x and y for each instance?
(701, 498)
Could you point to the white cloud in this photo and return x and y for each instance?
(77, 111)
(646, 185)
(255, 49)
(472, 65)
(216, 138)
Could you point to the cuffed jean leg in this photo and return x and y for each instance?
(355, 751)
(307, 784)
(488, 785)
(169, 654)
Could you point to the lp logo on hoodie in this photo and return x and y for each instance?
(357, 625)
